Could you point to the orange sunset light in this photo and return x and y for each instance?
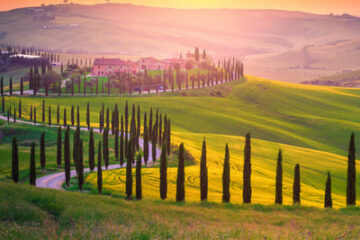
(316, 6)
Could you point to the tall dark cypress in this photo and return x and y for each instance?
(43, 111)
(138, 178)
(163, 173)
(20, 109)
(138, 127)
(3, 104)
(78, 116)
(351, 174)
(76, 143)
(150, 127)
(180, 180)
(133, 128)
(72, 116)
(15, 161)
(106, 147)
(328, 198)
(65, 121)
(279, 184)
(21, 86)
(153, 145)
(226, 176)
(129, 180)
(146, 141)
(2, 86)
(107, 119)
(160, 129)
(121, 152)
(59, 148)
(10, 86)
(42, 151)
(91, 150)
(35, 115)
(88, 115)
(58, 115)
(81, 166)
(168, 136)
(203, 174)
(126, 127)
(296, 185)
(247, 170)
(99, 170)
(116, 147)
(32, 165)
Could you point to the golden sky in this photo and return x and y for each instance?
(315, 6)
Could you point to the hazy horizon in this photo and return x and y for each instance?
(348, 6)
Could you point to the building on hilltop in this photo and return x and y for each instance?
(109, 66)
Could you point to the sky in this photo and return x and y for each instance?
(313, 6)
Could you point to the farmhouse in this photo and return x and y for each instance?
(108, 66)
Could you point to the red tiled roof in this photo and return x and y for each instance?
(109, 61)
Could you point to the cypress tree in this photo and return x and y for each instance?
(146, 141)
(32, 165)
(14, 115)
(72, 87)
(67, 156)
(133, 128)
(43, 111)
(2, 85)
(49, 115)
(180, 181)
(72, 116)
(58, 115)
(168, 135)
(122, 142)
(150, 125)
(203, 174)
(279, 174)
(59, 148)
(296, 186)
(10, 86)
(106, 147)
(153, 145)
(3, 104)
(116, 144)
(138, 178)
(129, 180)
(42, 151)
(138, 127)
(247, 171)
(160, 129)
(107, 119)
(351, 174)
(163, 173)
(78, 117)
(328, 198)
(65, 121)
(21, 86)
(226, 176)
(20, 108)
(126, 127)
(99, 170)
(35, 115)
(46, 87)
(81, 166)
(91, 151)
(15, 161)
(88, 115)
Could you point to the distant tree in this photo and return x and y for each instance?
(328, 198)
(197, 55)
(138, 127)
(126, 127)
(247, 171)
(138, 178)
(42, 151)
(81, 166)
(65, 121)
(296, 185)
(351, 174)
(84, 86)
(3, 104)
(204, 55)
(107, 119)
(226, 176)
(146, 141)
(203, 174)
(34, 115)
(116, 147)
(150, 127)
(58, 115)
(180, 181)
(153, 145)
(10, 86)
(168, 136)
(106, 147)
(59, 148)
(129, 180)
(2, 85)
(160, 129)
(32, 165)
(14, 115)
(99, 170)
(279, 173)
(121, 152)
(15, 161)
(43, 111)
(88, 115)
(21, 86)
(72, 116)
(78, 117)
(163, 173)
(91, 150)
(20, 109)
